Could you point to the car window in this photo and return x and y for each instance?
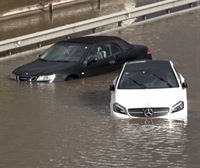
(115, 48)
(100, 51)
(105, 50)
(145, 79)
(64, 52)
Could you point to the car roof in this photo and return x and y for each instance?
(93, 39)
(148, 65)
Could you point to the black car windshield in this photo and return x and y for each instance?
(64, 52)
(147, 79)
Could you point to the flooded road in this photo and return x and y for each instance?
(69, 14)
(12, 4)
(68, 124)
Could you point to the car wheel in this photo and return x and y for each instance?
(71, 77)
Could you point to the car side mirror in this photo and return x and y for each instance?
(184, 85)
(112, 87)
(91, 59)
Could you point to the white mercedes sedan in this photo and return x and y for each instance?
(149, 89)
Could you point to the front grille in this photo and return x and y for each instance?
(148, 112)
(27, 78)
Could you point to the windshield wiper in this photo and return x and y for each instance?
(161, 79)
(139, 84)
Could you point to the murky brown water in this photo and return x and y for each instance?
(66, 15)
(12, 4)
(68, 124)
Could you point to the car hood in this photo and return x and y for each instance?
(41, 67)
(150, 97)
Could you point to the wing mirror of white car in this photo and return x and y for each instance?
(184, 85)
(112, 87)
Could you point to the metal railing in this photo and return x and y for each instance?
(91, 24)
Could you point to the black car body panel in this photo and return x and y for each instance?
(81, 57)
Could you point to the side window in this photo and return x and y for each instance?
(100, 51)
(116, 49)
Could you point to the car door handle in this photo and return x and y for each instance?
(112, 62)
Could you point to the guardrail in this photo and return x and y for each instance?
(91, 24)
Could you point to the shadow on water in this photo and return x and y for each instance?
(97, 99)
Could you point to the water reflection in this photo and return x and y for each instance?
(132, 142)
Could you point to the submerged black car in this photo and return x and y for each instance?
(80, 57)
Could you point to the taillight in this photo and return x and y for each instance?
(149, 53)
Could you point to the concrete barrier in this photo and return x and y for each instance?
(90, 24)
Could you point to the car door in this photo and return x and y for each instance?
(99, 60)
(119, 54)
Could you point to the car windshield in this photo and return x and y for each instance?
(146, 79)
(64, 52)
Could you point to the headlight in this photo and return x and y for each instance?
(46, 78)
(178, 106)
(118, 108)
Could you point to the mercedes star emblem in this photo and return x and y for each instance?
(148, 112)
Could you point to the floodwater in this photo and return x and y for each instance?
(62, 16)
(68, 124)
(12, 4)
(70, 14)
